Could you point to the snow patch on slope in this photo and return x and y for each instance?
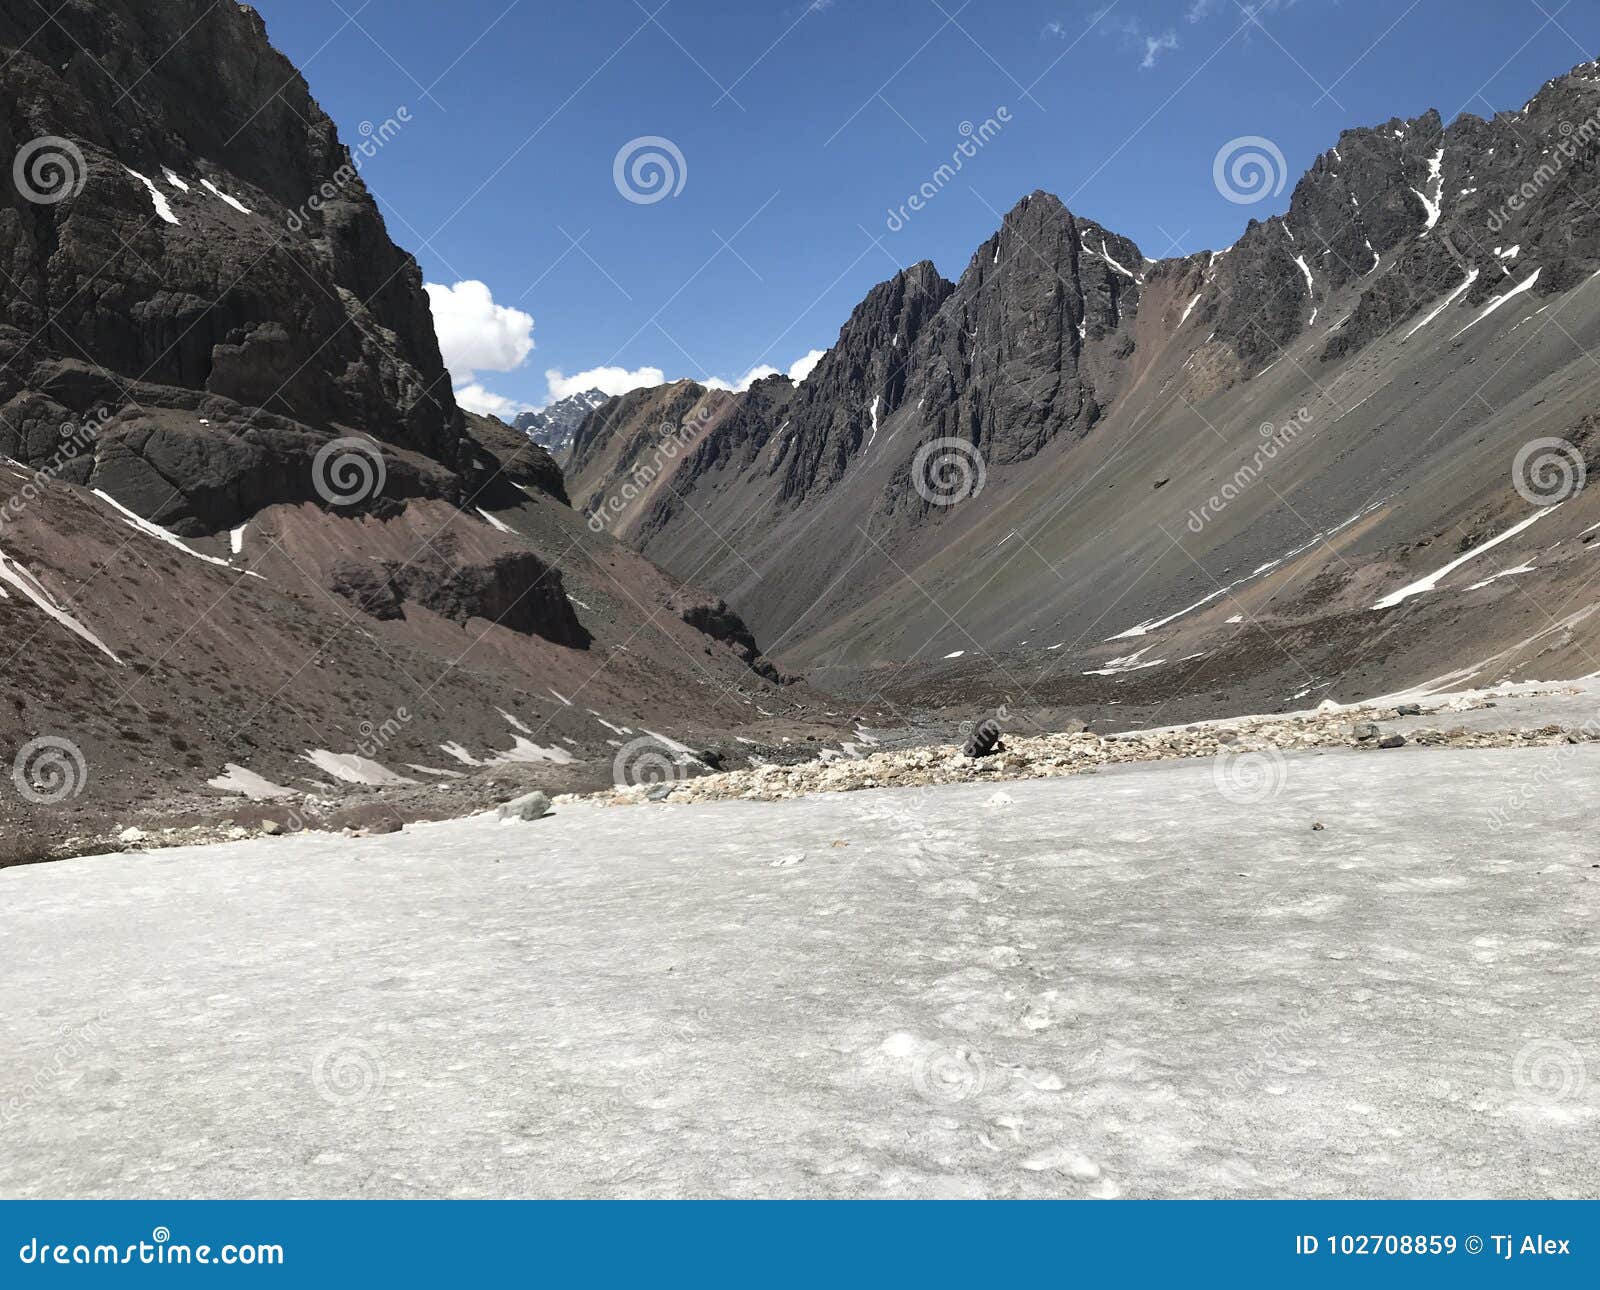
(157, 197)
(1431, 582)
(13, 573)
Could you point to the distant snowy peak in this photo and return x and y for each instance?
(553, 428)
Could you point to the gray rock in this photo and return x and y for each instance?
(271, 828)
(1392, 741)
(1409, 710)
(530, 806)
(1365, 731)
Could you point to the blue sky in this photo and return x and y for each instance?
(802, 126)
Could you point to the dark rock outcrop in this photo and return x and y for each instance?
(517, 590)
(715, 619)
(229, 336)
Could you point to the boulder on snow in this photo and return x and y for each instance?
(1365, 731)
(530, 806)
(1408, 710)
(1392, 741)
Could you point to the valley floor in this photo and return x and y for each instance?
(1119, 984)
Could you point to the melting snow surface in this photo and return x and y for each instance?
(1311, 286)
(1145, 628)
(1494, 304)
(166, 173)
(1189, 308)
(236, 539)
(159, 198)
(1431, 582)
(353, 768)
(1435, 204)
(991, 969)
(1504, 573)
(877, 399)
(233, 202)
(513, 722)
(160, 534)
(1472, 276)
(13, 573)
(236, 779)
(1128, 663)
(955, 653)
(524, 750)
(1106, 256)
(460, 754)
(494, 523)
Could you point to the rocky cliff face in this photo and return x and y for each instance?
(1085, 403)
(190, 237)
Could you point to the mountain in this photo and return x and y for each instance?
(249, 545)
(555, 426)
(1077, 477)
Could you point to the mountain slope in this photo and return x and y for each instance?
(248, 542)
(1074, 453)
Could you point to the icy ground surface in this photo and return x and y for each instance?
(1118, 984)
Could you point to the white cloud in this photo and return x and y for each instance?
(475, 334)
(486, 403)
(619, 380)
(757, 373)
(1129, 29)
(801, 367)
(611, 380)
(1153, 45)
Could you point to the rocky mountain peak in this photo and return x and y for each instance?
(554, 426)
